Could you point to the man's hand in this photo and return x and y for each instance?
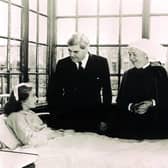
(141, 107)
(103, 126)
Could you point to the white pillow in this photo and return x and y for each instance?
(7, 137)
(2, 145)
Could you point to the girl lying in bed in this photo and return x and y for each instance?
(25, 123)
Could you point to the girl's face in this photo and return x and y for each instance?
(31, 101)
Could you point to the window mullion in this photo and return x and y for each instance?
(146, 19)
(24, 44)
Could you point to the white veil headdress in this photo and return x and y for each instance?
(154, 50)
(15, 90)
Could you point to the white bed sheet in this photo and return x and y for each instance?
(89, 150)
(10, 159)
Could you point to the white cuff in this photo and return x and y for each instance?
(153, 102)
(129, 106)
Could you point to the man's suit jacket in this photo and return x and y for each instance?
(83, 93)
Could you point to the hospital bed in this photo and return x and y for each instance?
(86, 150)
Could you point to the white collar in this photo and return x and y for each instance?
(146, 65)
(84, 61)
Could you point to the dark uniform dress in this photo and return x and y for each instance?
(139, 85)
(74, 96)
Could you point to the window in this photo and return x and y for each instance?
(23, 45)
(37, 47)
(111, 25)
(158, 23)
(34, 35)
(10, 44)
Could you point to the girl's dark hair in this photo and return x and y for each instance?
(14, 105)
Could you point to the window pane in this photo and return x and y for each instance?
(125, 62)
(3, 55)
(159, 6)
(65, 28)
(111, 53)
(16, 2)
(114, 86)
(132, 6)
(43, 6)
(42, 89)
(14, 80)
(42, 29)
(15, 22)
(32, 57)
(32, 79)
(65, 8)
(108, 7)
(87, 7)
(131, 29)
(14, 55)
(89, 28)
(32, 26)
(3, 84)
(109, 31)
(158, 28)
(42, 58)
(33, 4)
(4, 19)
(61, 52)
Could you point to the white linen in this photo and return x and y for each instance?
(10, 159)
(89, 150)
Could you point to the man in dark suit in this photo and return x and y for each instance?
(79, 93)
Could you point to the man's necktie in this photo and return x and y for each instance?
(80, 68)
